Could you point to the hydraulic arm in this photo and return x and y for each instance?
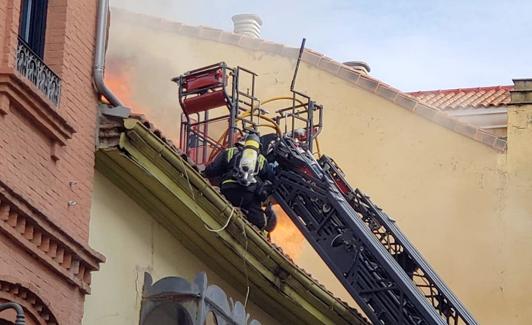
(379, 267)
(374, 261)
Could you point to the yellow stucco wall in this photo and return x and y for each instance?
(455, 199)
(133, 243)
(515, 206)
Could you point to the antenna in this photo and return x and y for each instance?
(297, 64)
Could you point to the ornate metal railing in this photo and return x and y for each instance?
(21, 320)
(179, 301)
(32, 67)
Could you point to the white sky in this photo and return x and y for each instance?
(411, 45)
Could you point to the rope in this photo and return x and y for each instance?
(225, 225)
(244, 256)
(188, 179)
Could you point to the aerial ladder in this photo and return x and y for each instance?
(383, 272)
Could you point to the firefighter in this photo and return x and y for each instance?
(245, 180)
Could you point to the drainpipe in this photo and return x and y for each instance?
(20, 313)
(117, 108)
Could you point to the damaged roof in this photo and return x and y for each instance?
(154, 172)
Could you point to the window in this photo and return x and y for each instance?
(33, 24)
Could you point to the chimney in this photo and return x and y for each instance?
(359, 66)
(247, 24)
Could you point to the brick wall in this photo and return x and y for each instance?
(57, 294)
(55, 183)
(47, 151)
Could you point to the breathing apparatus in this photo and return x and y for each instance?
(247, 167)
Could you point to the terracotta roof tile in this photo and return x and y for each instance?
(461, 98)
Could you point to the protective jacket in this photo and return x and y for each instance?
(226, 164)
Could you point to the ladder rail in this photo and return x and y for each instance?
(440, 296)
(365, 268)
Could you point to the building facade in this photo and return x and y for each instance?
(451, 186)
(47, 120)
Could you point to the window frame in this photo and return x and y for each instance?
(32, 27)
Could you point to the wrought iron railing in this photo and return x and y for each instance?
(32, 67)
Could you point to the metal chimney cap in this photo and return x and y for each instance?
(247, 24)
(240, 17)
(358, 65)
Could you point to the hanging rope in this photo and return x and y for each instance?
(224, 226)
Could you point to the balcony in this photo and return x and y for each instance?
(34, 69)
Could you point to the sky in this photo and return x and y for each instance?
(411, 45)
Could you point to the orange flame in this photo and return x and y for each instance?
(286, 235)
(119, 77)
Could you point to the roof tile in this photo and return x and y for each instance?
(210, 33)
(271, 47)
(465, 129)
(367, 83)
(347, 74)
(230, 38)
(486, 137)
(311, 57)
(329, 65)
(406, 101)
(290, 52)
(425, 111)
(189, 30)
(444, 120)
(250, 43)
(461, 98)
(387, 92)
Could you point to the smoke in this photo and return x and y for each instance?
(141, 61)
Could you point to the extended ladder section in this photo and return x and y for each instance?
(379, 267)
(374, 261)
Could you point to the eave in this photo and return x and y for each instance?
(164, 184)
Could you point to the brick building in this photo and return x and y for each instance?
(48, 112)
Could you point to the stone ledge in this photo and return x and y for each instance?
(34, 232)
(16, 90)
(522, 93)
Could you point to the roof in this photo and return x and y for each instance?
(138, 158)
(465, 98)
(322, 62)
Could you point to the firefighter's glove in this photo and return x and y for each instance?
(264, 190)
(271, 218)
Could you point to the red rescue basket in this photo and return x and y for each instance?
(203, 89)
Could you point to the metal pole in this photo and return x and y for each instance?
(205, 136)
(297, 64)
(310, 125)
(234, 107)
